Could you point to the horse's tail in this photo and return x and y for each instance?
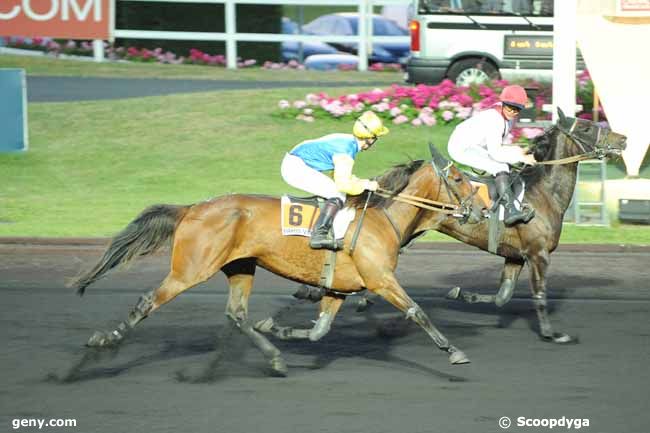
(143, 236)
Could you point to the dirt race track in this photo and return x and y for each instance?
(375, 372)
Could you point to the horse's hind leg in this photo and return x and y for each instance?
(329, 306)
(388, 288)
(194, 259)
(240, 276)
(147, 303)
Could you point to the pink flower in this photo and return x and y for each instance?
(283, 104)
(428, 120)
(395, 111)
(400, 119)
(531, 133)
(447, 115)
(416, 122)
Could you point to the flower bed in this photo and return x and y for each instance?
(422, 105)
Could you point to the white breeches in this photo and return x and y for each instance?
(299, 175)
(477, 157)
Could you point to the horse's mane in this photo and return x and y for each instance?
(542, 148)
(395, 179)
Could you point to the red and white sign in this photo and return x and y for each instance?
(633, 6)
(71, 19)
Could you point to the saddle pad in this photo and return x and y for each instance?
(298, 218)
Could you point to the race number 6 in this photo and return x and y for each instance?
(295, 215)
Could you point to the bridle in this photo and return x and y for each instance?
(461, 209)
(597, 152)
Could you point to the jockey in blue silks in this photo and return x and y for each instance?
(304, 165)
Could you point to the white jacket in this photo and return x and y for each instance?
(487, 130)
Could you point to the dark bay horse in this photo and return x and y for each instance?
(235, 233)
(549, 189)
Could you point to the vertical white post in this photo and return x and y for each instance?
(98, 50)
(231, 43)
(564, 57)
(362, 51)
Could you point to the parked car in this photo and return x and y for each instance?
(347, 24)
(291, 50)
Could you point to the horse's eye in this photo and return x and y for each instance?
(458, 179)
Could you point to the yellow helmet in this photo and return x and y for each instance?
(369, 126)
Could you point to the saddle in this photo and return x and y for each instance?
(298, 217)
(299, 214)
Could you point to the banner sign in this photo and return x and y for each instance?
(524, 45)
(66, 19)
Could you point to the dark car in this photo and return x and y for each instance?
(291, 50)
(347, 24)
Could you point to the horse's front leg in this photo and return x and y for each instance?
(329, 306)
(538, 264)
(509, 276)
(386, 286)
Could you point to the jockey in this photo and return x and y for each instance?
(304, 165)
(478, 142)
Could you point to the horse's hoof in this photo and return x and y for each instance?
(364, 304)
(453, 293)
(279, 367)
(98, 339)
(265, 325)
(561, 338)
(458, 357)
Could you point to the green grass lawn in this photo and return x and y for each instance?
(52, 66)
(93, 166)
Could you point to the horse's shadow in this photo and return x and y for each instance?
(370, 337)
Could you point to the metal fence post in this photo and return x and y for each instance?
(362, 46)
(231, 42)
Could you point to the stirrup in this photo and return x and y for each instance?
(519, 216)
(327, 242)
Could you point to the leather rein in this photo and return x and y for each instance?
(596, 153)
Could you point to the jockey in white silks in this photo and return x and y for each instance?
(304, 165)
(478, 142)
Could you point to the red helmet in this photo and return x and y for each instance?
(514, 95)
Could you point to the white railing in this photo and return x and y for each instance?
(364, 39)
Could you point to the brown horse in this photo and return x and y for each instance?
(549, 189)
(235, 233)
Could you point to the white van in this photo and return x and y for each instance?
(470, 41)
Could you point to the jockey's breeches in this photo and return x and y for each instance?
(299, 175)
(477, 157)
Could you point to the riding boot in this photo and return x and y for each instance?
(322, 236)
(504, 190)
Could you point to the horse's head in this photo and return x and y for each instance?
(590, 137)
(456, 186)
(465, 191)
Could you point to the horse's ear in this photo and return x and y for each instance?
(561, 115)
(433, 150)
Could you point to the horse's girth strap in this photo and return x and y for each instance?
(394, 225)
